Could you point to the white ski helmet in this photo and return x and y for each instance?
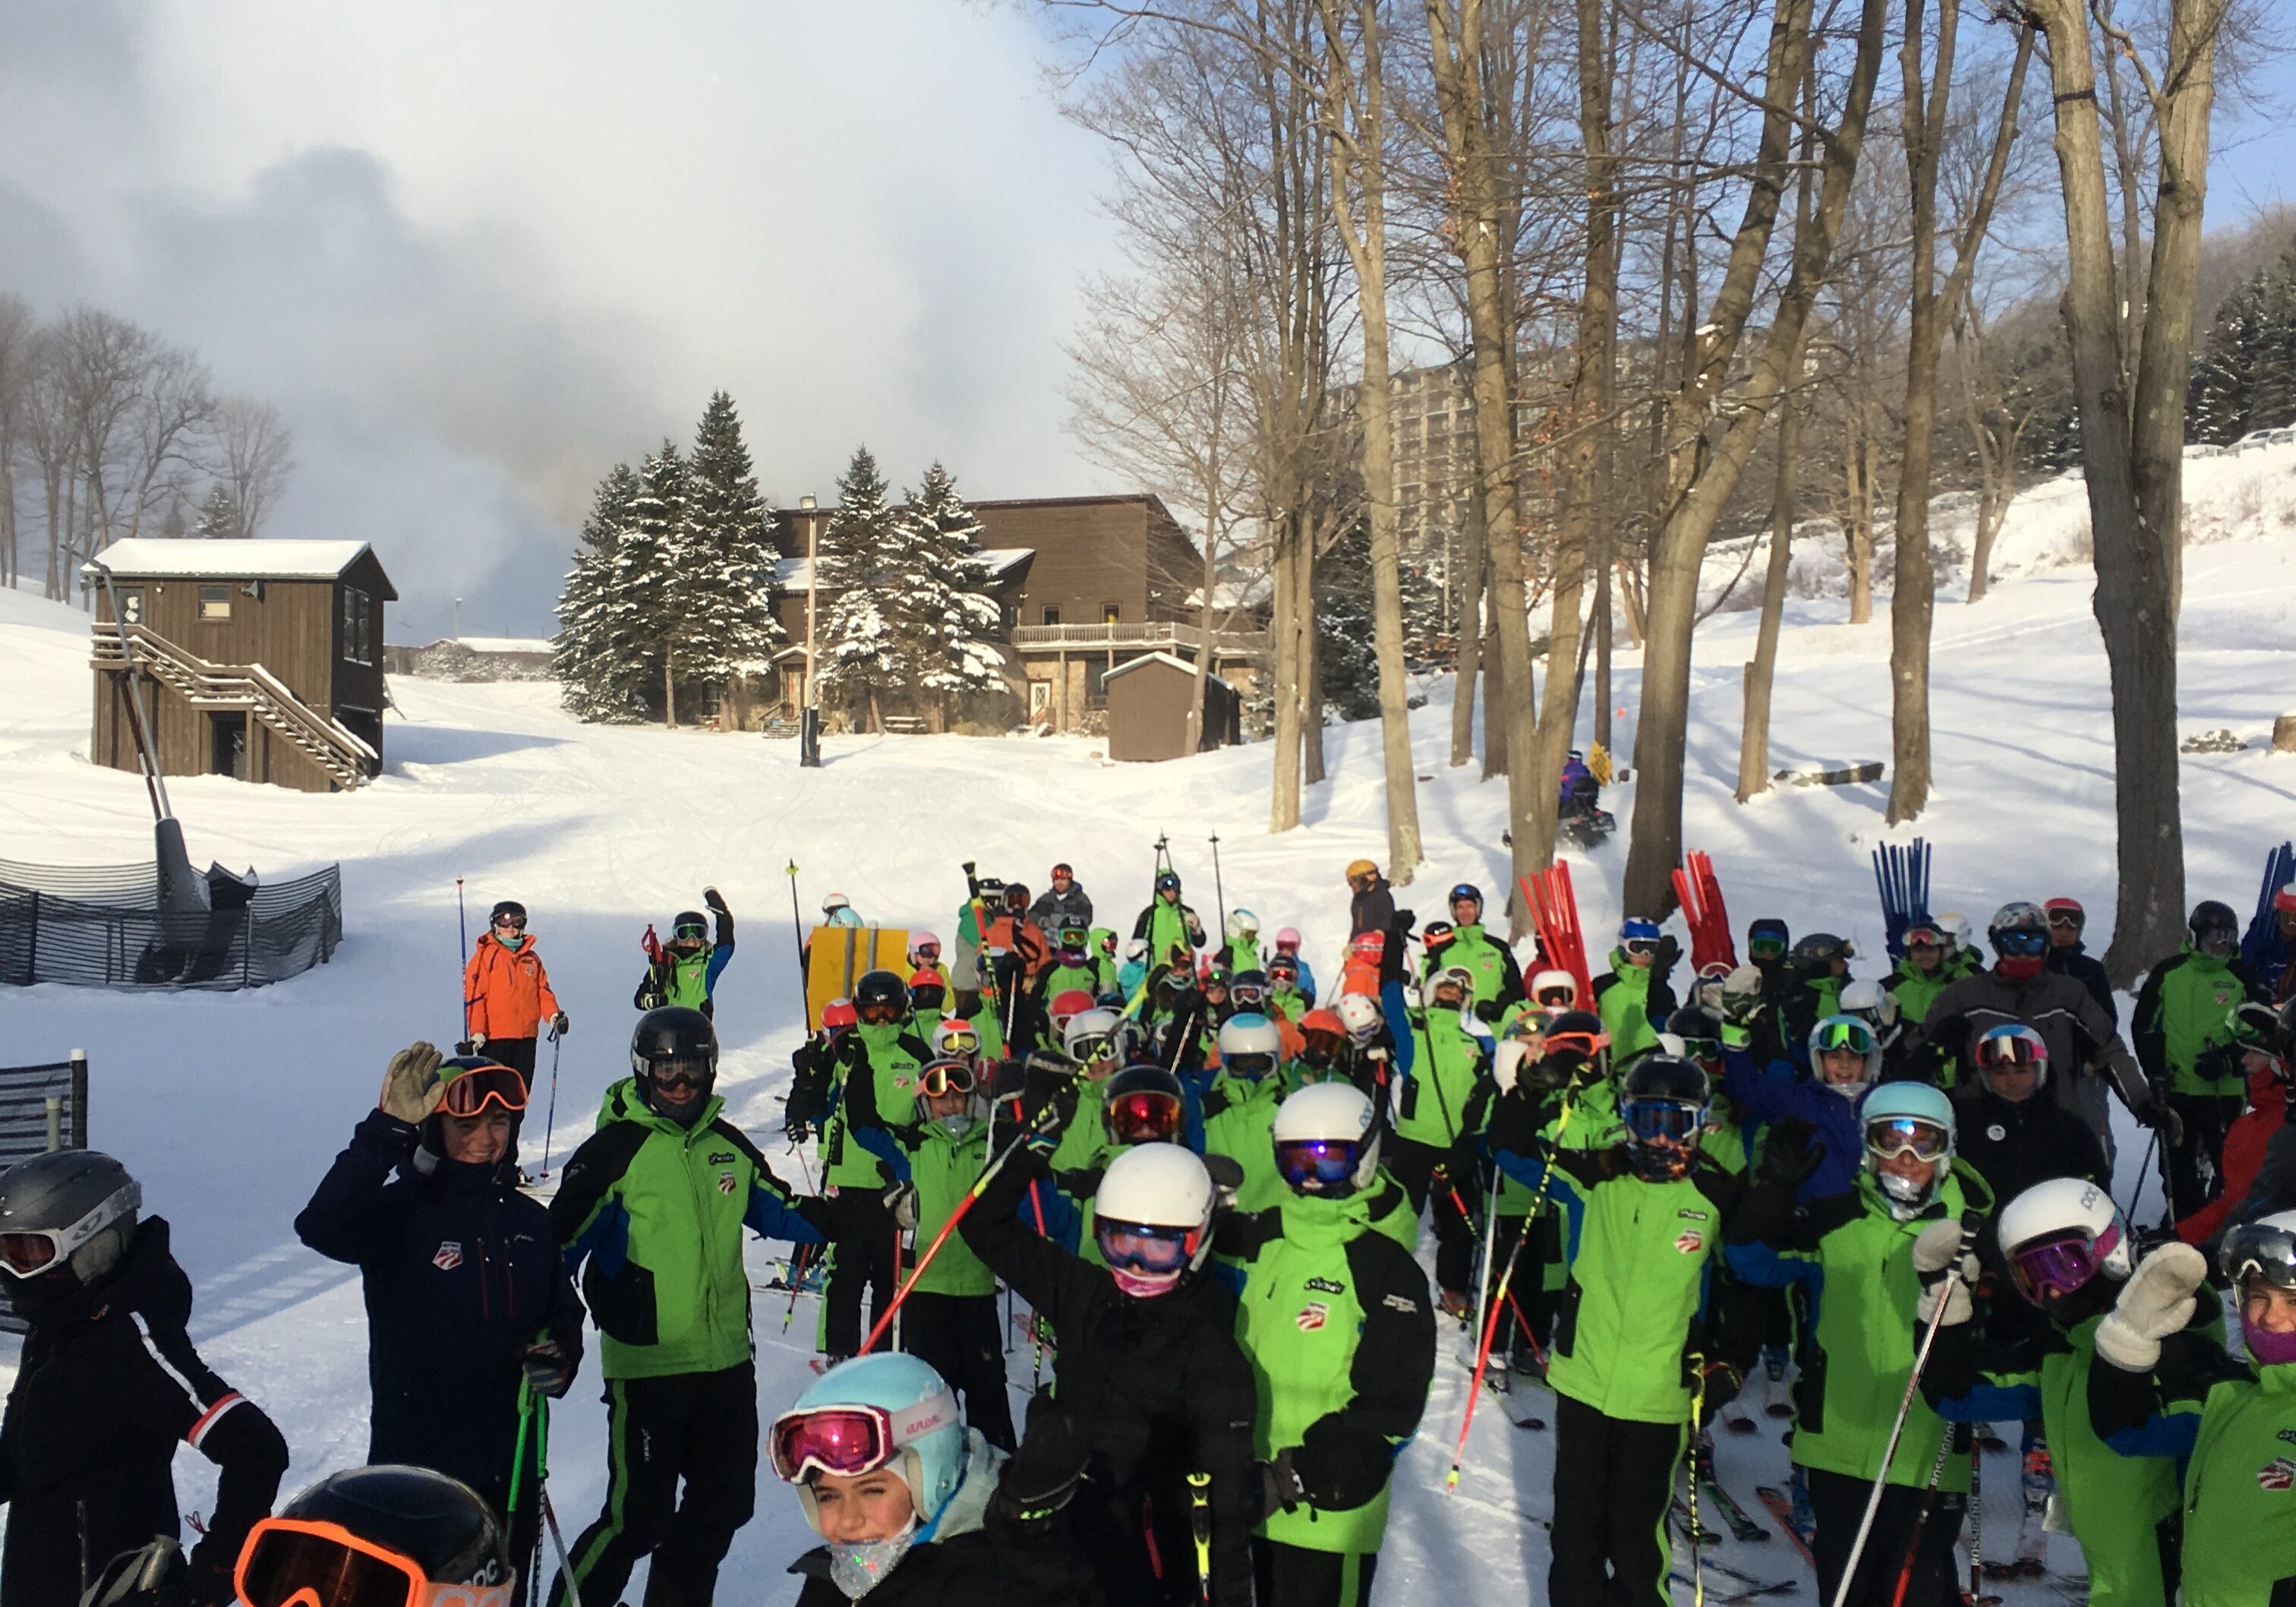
(1250, 1034)
(1163, 1188)
(1359, 1013)
(1330, 1112)
(835, 902)
(1242, 923)
(1870, 1002)
(1957, 930)
(1547, 980)
(2058, 1234)
(1086, 1025)
(1457, 976)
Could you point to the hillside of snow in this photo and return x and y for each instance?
(230, 1106)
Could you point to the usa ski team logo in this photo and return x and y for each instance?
(726, 1183)
(1690, 1243)
(2278, 1475)
(449, 1256)
(1312, 1317)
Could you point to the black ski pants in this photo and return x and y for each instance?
(1292, 1575)
(1901, 1533)
(866, 1253)
(961, 1337)
(1413, 1165)
(1613, 1482)
(2207, 1117)
(516, 1053)
(698, 1427)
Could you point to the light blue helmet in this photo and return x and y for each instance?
(1845, 1032)
(1908, 1102)
(931, 1461)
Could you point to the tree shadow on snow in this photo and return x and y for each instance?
(412, 745)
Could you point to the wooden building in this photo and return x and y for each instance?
(257, 659)
(1148, 700)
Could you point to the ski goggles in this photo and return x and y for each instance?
(1321, 1045)
(1093, 1047)
(847, 1441)
(1583, 1044)
(472, 1092)
(1925, 937)
(2259, 1250)
(2020, 942)
(882, 1013)
(1703, 1049)
(925, 954)
(2072, 919)
(33, 1251)
(678, 1073)
(2059, 1265)
(1895, 1136)
(511, 922)
(1845, 1034)
(1326, 1162)
(946, 1076)
(2012, 1051)
(957, 1040)
(1558, 996)
(1663, 1120)
(1248, 1065)
(2216, 940)
(301, 1562)
(1247, 995)
(1139, 1248)
(1766, 949)
(1532, 1022)
(691, 932)
(1640, 945)
(1283, 968)
(1143, 1115)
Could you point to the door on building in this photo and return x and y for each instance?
(227, 745)
(1040, 701)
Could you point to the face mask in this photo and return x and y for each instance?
(2266, 1348)
(858, 1568)
(956, 1125)
(1906, 1198)
(2022, 968)
(1144, 1285)
(515, 940)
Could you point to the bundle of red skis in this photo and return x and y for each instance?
(1554, 909)
(1700, 896)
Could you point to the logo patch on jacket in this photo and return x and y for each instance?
(1325, 1286)
(726, 1184)
(723, 1160)
(2278, 1475)
(449, 1256)
(1694, 1216)
(1689, 1242)
(1312, 1317)
(1400, 1302)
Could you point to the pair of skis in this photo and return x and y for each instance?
(1902, 877)
(1748, 1586)
(1554, 910)
(1700, 894)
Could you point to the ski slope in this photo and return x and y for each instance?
(230, 1106)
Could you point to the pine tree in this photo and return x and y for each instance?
(1346, 668)
(948, 624)
(862, 558)
(219, 516)
(603, 671)
(2245, 380)
(722, 588)
(652, 562)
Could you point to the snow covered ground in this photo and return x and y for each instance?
(229, 1106)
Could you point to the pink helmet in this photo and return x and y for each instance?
(1287, 939)
(923, 939)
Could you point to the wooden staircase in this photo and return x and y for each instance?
(345, 758)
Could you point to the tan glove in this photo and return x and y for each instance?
(411, 1088)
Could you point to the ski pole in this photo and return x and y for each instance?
(463, 929)
(797, 927)
(550, 1120)
(1697, 1411)
(797, 1283)
(1922, 1517)
(979, 1187)
(533, 1408)
(1219, 889)
(2143, 1167)
(1890, 1451)
(1976, 1523)
(1483, 1297)
(1199, 1525)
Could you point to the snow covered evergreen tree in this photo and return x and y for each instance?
(721, 590)
(219, 516)
(2245, 380)
(603, 671)
(864, 561)
(1346, 667)
(652, 565)
(948, 624)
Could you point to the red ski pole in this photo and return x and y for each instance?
(987, 1174)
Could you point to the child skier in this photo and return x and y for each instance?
(506, 996)
(685, 970)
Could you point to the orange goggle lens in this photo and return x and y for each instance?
(295, 1563)
(473, 1091)
(946, 1078)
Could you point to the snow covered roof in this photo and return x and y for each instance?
(232, 558)
(792, 574)
(796, 574)
(1174, 660)
(1001, 560)
(508, 643)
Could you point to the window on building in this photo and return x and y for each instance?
(215, 603)
(358, 626)
(1052, 614)
(1111, 613)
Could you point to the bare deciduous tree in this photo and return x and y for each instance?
(255, 451)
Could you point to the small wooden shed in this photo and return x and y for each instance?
(258, 660)
(1148, 700)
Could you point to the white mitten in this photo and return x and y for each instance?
(2156, 1303)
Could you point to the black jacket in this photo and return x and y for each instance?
(2013, 1147)
(461, 1272)
(2076, 961)
(108, 1387)
(1052, 911)
(1165, 1390)
(1374, 910)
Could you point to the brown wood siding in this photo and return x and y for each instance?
(1148, 713)
(1088, 554)
(186, 739)
(351, 685)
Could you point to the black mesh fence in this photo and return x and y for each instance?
(42, 1108)
(103, 926)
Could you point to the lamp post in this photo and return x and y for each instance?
(809, 719)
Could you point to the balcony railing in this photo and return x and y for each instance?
(1148, 633)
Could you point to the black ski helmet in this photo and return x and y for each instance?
(440, 1525)
(691, 924)
(1663, 1099)
(507, 906)
(1694, 1025)
(1668, 1077)
(1135, 1087)
(1814, 950)
(67, 1211)
(878, 987)
(674, 1035)
(2214, 919)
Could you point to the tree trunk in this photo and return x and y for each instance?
(669, 687)
(1311, 662)
(1467, 627)
(1361, 156)
(1283, 632)
(2131, 456)
(1662, 734)
(1860, 462)
(1754, 733)
(1494, 702)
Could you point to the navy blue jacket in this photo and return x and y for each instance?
(461, 1272)
(1762, 1095)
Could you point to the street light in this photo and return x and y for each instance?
(809, 719)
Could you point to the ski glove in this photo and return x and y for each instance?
(545, 1365)
(558, 1025)
(901, 1201)
(709, 897)
(1280, 1488)
(1947, 1266)
(1791, 1153)
(411, 1088)
(1227, 1174)
(2156, 1303)
(1666, 956)
(477, 1041)
(1742, 996)
(1041, 1477)
(2160, 1115)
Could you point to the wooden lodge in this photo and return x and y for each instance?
(258, 660)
